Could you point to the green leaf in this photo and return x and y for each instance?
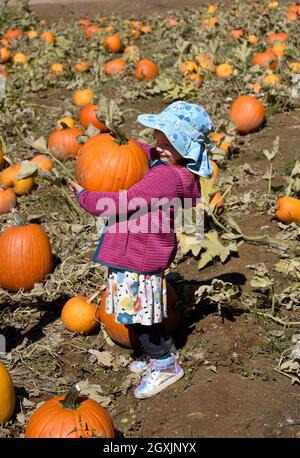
(40, 145)
(28, 168)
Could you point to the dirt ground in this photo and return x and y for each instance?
(230, 388)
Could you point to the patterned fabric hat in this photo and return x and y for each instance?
(186, 125)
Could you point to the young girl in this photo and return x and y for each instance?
(137, 259)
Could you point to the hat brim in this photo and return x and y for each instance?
(154, 124)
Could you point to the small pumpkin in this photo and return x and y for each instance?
(63, 143)
(216, 137)
(79, 315)
(288, 209)
(90, 31)
(5, 55)
(48, 37)
(218, 203)
(116, 67)
(132, 52)
(266, 58)
(70, 416)
(188, 66)
(20, 58)
(124, 335)
(146, 69)
(252, 39)
(8, 175)
(110, 162)
(237, 33)
(295, 67)
(82, 97)
(32, 34)
(194, 78)
(216, 171)
(25, 256)
(23, 186)
(272, 80)
(7, 395)
(278, 49)
(57, 69)
(88, 115)
(11, 34)
(224, 70)
(2, 159)
(8, 200)
(65, 122)
(43, 161)
(84, 22)
(113, 43)
(247, 113)
(82, 66)
(212, 9)
(277, 37)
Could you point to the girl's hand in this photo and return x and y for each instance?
(75, 187)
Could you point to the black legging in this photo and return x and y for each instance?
(153, 340)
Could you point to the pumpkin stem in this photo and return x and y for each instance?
(71, 399)
(110, 110)
(119, 135)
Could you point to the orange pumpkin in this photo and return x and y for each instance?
(272, 80)
(82, 66)
(23, 186)
(88, 115)
(57, 69)
(124, 335)
(247, 113)
(8, 200)
(82, 97)
(146, 69)
(216, 137)
(113, 43)
(11, 34)
(2, 160)
(252, 39)
(63, 143)
(90, 31)
(5, 55)
(218, 202)
(237, 33)
(25, 256)
(288, 209)
(216, 171)
(8, 175)
(266, 58)
(48, 37)
(277, 37)
(65, 122)
(84, 22)
(20, 58)
(132, 52)
(224, 70)
(116, 67)
(188, 66)
(110, 163)
(278, 49)
(69, 417)
(194, 78)
(292, 16)
(7, 395)
(43, 161)
(32, 34)
(78, 315)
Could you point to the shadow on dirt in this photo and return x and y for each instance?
(195, 312)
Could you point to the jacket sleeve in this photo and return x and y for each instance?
(146, 147)
(160, 182)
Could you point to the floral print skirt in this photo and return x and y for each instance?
(136, 298)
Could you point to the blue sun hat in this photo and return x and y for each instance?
(186, 125)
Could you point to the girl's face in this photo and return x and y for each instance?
(167, 152)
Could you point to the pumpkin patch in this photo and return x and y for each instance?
(73, 81)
